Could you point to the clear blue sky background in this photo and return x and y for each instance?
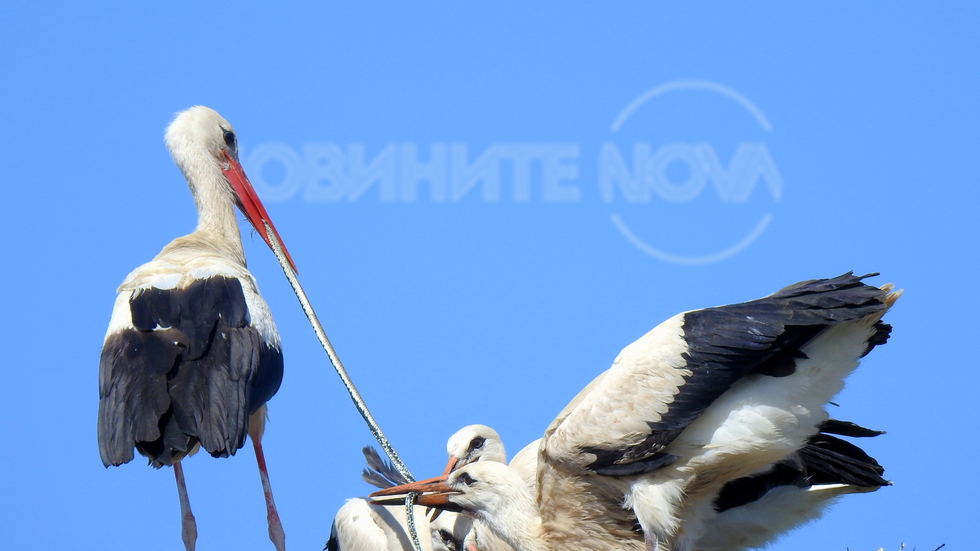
(450, 312)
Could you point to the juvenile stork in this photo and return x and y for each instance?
(474, 443)
(750, 512)
(191, 354)
(362, 526)
(705, 398)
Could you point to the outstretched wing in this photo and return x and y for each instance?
(623, 421)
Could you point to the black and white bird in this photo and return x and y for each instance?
(705, 398)
(192, 355)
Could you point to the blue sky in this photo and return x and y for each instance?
(767, 144)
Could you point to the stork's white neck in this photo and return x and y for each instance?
(215, 208)
(196, 142)
(216, 218)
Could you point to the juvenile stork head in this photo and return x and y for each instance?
(488, 491)
(471, 444)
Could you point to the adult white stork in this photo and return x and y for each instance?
(362, 526)
(191, 354)
(707, 397)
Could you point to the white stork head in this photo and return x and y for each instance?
(471, 444)
(491, 492)
(205, 148)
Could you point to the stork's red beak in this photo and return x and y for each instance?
(248, 202)
(434, 493)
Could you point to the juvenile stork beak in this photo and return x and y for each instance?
(251, 207)
(434, 492)
(450, 466)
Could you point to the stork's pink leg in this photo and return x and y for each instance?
(188, 526)
(276, 534)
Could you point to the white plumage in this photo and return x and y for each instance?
(362, 526)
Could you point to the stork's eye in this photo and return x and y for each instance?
(477, 443)
(465, 478)
(230, 140)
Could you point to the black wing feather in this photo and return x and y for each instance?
(332, 543)
(847, 428)
(726, 343)
(191, 370)
(824, 459)
(762, 336)
(133, 390)
(830, 460)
